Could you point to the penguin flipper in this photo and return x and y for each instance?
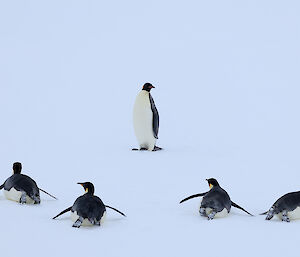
(1, 187)
(47, 193)
(155, 121)
(239, 207)
(264, 213)
(64, 211)
(193, 196)
(115, 210)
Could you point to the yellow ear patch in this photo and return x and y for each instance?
(86, 190)
(210, 186)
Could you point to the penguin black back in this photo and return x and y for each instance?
(217, 198)
(22, 182)
(89, 206)
(289, 202)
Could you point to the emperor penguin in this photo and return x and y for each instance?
(216, 202)
(88, 209)
(286, 208)
(21, 188)
(146, 120)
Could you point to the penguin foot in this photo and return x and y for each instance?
(285, 217)
(269, 217)
(78, 223)
(202, 212)
(36, 200)
(211, 215)
(94, 222)
(270, 213)
(156, 148)
(141, 149)
(23, 198)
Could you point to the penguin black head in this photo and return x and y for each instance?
(148, 87)
(212, 182)
(88, 187)
(17, 167)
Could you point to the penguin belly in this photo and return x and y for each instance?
(15, 195)
(220, 214)
(86, 222)
(293, 215)
(143, 121)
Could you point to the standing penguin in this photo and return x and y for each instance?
(21, 188)
(146, 120)
(216, 202)
(287, 207)
(88, 209)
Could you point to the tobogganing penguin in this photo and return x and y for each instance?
(21, 188)
(287, 207)
(88, 209)
(216, 202)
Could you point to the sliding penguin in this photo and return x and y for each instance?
(287, 207)
(88, 209)
(21, 188)
(146, 120)
(216, 202)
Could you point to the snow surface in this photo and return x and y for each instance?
(227, 89)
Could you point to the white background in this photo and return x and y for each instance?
(227, 89)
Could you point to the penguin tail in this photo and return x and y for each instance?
(239, 207)
(115, 210)
(64, 211)
(193, 196)
(264, 213)
(48, 193)
(2, 186)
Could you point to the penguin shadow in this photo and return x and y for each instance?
(14, 203)
(107, 223)
(158, 149)
(2, 198)
(48, 200)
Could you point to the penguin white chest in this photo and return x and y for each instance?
(15, 195)
(143, 121)
(220, 214)
(293, 215)
(86, 222)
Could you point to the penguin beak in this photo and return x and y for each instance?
(85, 189)
(80, 184)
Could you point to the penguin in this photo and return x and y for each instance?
(146, 120)
(21, 188)
(286, 208)
(88, 209)
(216, 202)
